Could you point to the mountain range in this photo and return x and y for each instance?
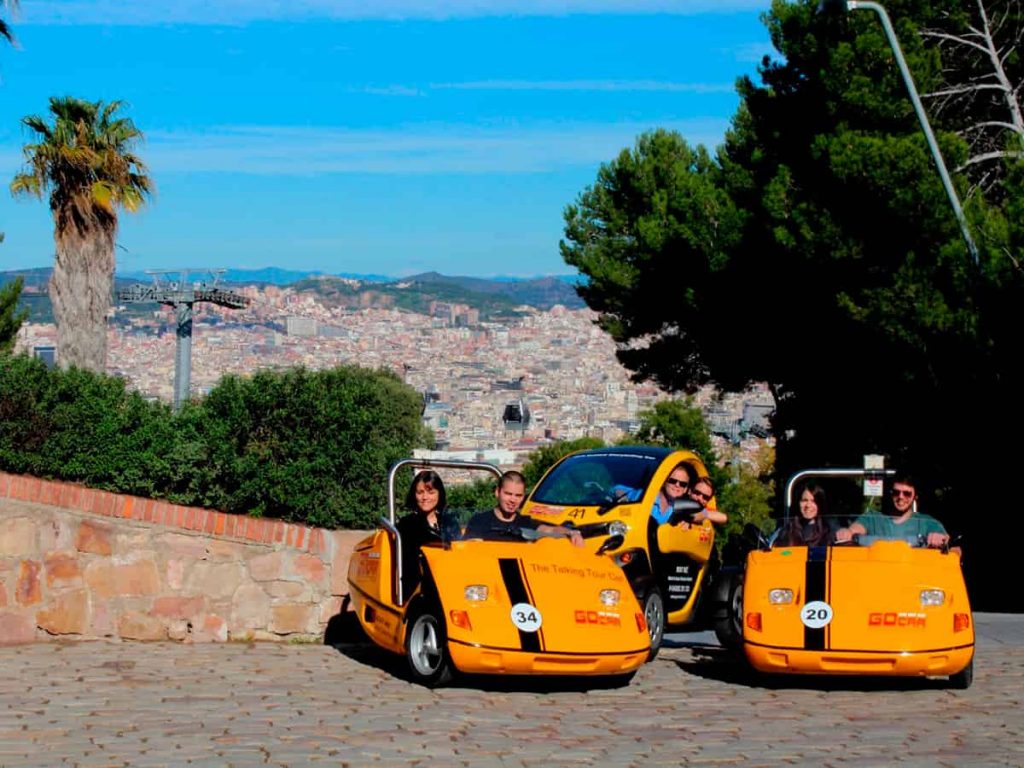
(491, 296)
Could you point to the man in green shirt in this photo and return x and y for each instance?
(900, 520)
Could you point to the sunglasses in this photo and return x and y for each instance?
(680, 483)
(901, 492)
(700, 495)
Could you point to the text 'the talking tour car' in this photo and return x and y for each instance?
(876, 605)
(607, 494)
(532, 606)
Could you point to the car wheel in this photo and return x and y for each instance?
(729, 619)
(654, 616)
(962, 680)
(426, 649)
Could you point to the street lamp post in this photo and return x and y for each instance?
(954, 200)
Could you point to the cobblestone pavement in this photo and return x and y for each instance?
(112, 704)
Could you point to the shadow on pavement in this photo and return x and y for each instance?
(370, 655)
(346, 636)
(714, 663)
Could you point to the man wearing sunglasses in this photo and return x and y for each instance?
(703, 491)
(899, 519)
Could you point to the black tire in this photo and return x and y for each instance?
(728, 616)
(426, 648)
(654, 615)
(962, 680)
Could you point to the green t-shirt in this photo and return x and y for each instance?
(886, 527)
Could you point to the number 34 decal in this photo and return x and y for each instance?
(816, 614)
(526, 617)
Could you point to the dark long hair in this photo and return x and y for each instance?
(799, 531)
(818, 494)
(431, 478)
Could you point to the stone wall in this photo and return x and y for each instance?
(77, 563)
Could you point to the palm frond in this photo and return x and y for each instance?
(84, 157)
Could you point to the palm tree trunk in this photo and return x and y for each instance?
(80, 290)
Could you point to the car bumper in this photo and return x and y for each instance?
(474, 659)
(946, 661)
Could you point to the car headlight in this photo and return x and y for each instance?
(617, 528)
(932, 597)
(476, 593)
(609, 597)
(780, 596)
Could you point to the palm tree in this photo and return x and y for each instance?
(85, 161)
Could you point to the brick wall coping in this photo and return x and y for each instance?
(207, 521)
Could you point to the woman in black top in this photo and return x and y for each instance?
(426, 501)
(810, 528)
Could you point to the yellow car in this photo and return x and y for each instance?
(535, 606)
(872, 606)
(607, 494)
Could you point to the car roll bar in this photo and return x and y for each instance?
(874, 474)
(432, 464)
(389, 521)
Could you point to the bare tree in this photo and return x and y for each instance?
(981, 46)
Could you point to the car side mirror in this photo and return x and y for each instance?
(683, 510)
(612, 542)
(753, 537)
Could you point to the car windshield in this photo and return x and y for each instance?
(821, 505)
(593, 479)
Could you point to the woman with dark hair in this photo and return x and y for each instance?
(811, 527)
(426, 501)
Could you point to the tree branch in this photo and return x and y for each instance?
(986, 156)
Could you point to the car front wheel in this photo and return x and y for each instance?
(728, 619)
(426, 649)
(654, 615)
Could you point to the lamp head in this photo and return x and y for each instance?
(833, 6)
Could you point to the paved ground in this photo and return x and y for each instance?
(112, 704)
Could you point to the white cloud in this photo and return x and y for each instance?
(300, 151)
(148, 12)
(386, 90)
(752, 53)
(585, 85)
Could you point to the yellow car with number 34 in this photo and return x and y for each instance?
(532, 606)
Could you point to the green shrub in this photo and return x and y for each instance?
(303, 446)
(80, 426)
(309, 446)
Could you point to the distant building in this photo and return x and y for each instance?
(295, 325)
(508, 384)
(757, 418)
(47, 354)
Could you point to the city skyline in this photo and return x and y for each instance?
(556, 362)
(390, 139)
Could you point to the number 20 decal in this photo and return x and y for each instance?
(816, 614)
(526, 617)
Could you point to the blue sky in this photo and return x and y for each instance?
(383, 137)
